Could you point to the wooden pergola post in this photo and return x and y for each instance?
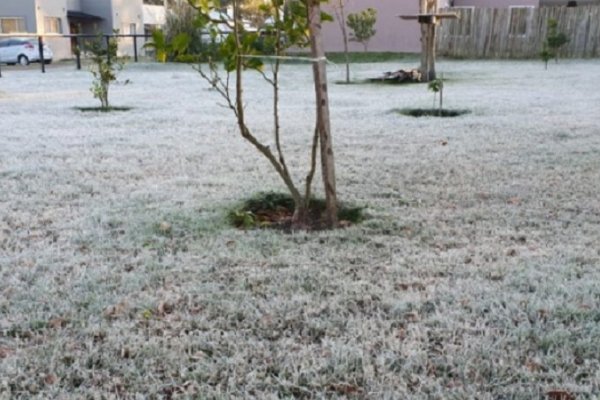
(428, 18)
(427, 45)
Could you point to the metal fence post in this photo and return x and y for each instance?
(107, 48)
(41, 49)
(135, 51)
(78, 52)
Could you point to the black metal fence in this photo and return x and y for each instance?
(78, 42)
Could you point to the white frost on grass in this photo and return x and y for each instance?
(476, 276)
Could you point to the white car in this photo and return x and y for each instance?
(22, 51)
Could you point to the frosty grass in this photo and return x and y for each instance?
(475, 276)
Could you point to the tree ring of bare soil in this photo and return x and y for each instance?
(103, 109)
(431, 112)
(272, 210)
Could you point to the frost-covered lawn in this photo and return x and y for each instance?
(476, 275)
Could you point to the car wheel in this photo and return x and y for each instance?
(23, 60)
(47, 62)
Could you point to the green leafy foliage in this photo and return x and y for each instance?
(363, 26)
(437, 86)
(182, 18)
(546, 55)
(554, 41)
(166, 50)
(242, 219)
(105, 66)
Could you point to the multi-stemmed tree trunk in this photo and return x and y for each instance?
(241, 53)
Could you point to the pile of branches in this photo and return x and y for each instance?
(400, 76)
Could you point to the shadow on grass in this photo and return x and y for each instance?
(430, 112)
(103, 109)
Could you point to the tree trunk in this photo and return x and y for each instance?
(300, 217)
(341, 16)
(442, 95)
(323, 122)
(431, 75)
(428, 34)
(424, 42)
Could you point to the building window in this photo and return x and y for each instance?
(518, 24)
(52, 25)
(154, 2)
(12, 25)
(149, 28)
(463, 25)
(128, 29)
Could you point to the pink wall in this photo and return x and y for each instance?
(496, 3)
(393, 33)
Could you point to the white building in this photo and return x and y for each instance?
(57, 17)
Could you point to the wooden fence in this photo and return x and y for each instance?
(519, 32)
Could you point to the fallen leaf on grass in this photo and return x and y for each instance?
(58, 323)
(345, 388)
(50, 379)
(165, 228)
(412, 317)
(164, 308)
(560, 395)
(5, 352)
(533, 365)
(413, 285)
(115, 311)
(345, 223)
(126, 352)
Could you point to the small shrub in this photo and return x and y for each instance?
(554, 41)
(105, 66)
(437, 86)
(546, 55)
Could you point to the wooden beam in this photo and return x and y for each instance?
(437, 15)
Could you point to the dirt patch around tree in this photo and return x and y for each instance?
(272, 210)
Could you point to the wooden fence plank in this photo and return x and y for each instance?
(519, 33)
